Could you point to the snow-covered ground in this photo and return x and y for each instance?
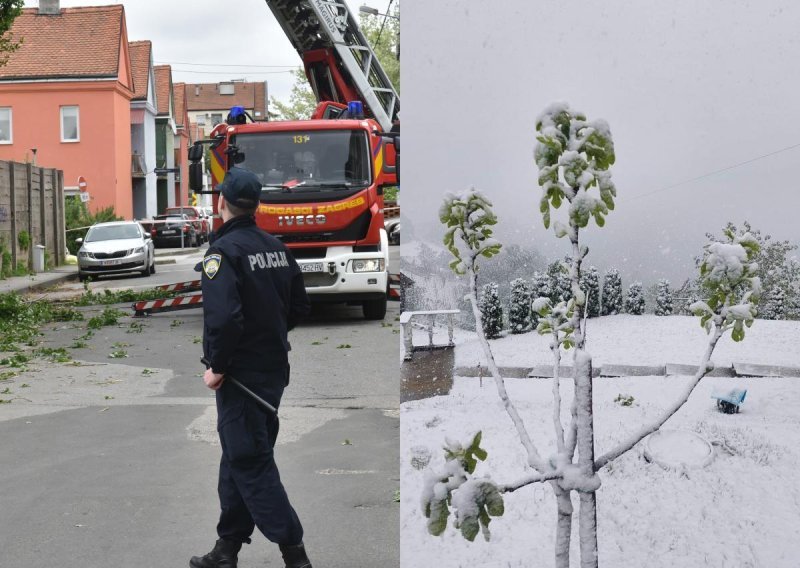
(741, 511)
(646, 340)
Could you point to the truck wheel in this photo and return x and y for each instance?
(374, 309)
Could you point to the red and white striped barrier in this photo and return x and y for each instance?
(190, 286)
(394, 287)
(145, 308)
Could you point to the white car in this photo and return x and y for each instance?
(116, 248)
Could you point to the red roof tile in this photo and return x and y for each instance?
(140, 67)
(205, 96)
(163, 88)
(77, 43)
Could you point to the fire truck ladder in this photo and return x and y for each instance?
(315, 26)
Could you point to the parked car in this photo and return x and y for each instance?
(174, 230)
(197, 217)
(115, 248)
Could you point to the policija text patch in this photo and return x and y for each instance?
(268, 260)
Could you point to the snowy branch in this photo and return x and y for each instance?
(529, 480)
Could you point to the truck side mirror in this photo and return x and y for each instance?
(196, 176)
(196, 153)
(395, 169)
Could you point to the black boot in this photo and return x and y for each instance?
(224, 555)
(295, 556)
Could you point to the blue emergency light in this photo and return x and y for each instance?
(237, 115)
(355, 109)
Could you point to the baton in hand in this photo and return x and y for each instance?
(261, 402)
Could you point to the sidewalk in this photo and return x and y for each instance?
(41, 280)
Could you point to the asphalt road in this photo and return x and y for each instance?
(111, 463)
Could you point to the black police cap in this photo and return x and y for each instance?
(241, 188)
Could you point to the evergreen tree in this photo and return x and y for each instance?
(519, 309)
(663, 299)
(559, 282)
(634, 303)
(491, 311)
(590, 284)
(775, 306)
(612, 293)
(540, 288)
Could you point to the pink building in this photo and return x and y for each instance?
(67, 94)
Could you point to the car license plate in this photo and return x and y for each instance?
(312, 267)
(109, 262)
(168, 232)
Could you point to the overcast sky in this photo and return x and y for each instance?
(687, 87)
(201, 39)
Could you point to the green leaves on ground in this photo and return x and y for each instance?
(109, 316)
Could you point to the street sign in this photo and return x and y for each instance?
(84, 197)
(82, 186)
(165, 171)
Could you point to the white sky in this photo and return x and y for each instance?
(688, 88)
(195, 36)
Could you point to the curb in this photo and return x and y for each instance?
(32, 286)
(166, 261)
(177, 252)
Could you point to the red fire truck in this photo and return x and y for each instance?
(322, 178)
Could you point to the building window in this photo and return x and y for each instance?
(5, 126)
(216, 119)
(70, 124)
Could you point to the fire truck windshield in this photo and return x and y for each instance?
(311, 160)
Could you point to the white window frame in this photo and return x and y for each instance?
(10, 126)
(77, 120)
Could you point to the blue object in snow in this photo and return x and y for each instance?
(729, 400)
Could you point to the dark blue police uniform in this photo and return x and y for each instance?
(253, 294)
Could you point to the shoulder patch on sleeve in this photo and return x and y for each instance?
(211, 264)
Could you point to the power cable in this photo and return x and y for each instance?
(221, 72)
(383, 23)
(715, 172)
(225, 65)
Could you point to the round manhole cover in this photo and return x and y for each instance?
(678, 449)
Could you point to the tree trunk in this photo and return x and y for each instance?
(587, 514)
(563, 525)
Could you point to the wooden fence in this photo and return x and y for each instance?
(32, 200)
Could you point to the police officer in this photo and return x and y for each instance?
(253, 294)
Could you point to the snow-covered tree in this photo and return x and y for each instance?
(469, 219)
(491, 311)
(663, 298)
(590, 284)
(573, 156)
(540, 285)
(519, 308)
(634, 302)
(558, 280)
(612, 293)
(775, 305)
(776, 267)
(540, 288)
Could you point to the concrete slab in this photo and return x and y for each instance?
(546, 372)
(632, 370)
(690, 370)
(754, 370)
